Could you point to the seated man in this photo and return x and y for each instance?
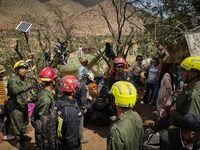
(186, 137)
(102, 109)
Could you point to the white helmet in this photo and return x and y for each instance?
(90, 76)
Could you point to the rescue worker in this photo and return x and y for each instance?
(188, 101)
(19, 91)
(4, 109)
(45, 99)
(68, 130)
(83, 93)
(119, 74)
(127, 132)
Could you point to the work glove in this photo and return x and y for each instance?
(35, 84)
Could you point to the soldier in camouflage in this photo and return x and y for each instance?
(18, 91)
(45, 98)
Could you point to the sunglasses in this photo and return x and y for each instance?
(139, 59)
(120, 66)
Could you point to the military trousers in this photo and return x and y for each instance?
(19, 120)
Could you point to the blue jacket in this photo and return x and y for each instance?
(68, 130)
(82, 70)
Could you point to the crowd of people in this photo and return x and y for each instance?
(62, 106)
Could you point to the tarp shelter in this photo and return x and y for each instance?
(193, 41)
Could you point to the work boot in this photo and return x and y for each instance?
(84, 140)
(26, 138)
(21, 145)
(8, 137)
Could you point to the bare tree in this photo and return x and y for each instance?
(63, 21)
(124, 12)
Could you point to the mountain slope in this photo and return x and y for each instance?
(86, 20)
(12, 11)
(90, 21)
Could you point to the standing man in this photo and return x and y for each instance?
(45, 99)
(127, 132)
(119, 74)
(82, 70)
(188, 100)
(80, 53)
(67, 129)
(136, 69)
(4, 108)
(151, 80)
(18, 91)
(82, 98)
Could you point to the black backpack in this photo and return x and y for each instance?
(47, 124)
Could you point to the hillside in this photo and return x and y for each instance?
(90, 22)
(13, 11)
(86, 17)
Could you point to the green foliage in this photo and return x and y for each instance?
(173, 19)
(11, 53)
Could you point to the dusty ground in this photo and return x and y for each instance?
(96, 135)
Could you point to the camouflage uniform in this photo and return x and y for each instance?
(126, 133)
(45, 99)
(18, 91)
(187, 102)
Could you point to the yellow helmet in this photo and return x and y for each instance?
(20, 63)
(125, 94)
(191, 63)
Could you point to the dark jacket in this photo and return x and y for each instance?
(82, 93)
(123, 76)
(171, 140)
(68, 123)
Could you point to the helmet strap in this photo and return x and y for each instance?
(190, 80)
(49, 87)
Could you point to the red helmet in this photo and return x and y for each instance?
(48, 74)
(68, 83)
(119, 60)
